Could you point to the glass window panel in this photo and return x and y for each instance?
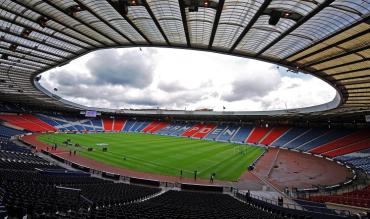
(14, 68)
(200, 25)
(97, 24)
(39, 54)
(35, 36)
(104, 10)
(14, 62)
(277, 50)
(359, 6)
(67, 40)
(61, 28)
(326, 22)
(234, 18)
(69, 21)
(9, 4)
(74, 33)
(300, 7)
(261, 34)
(168, 14)
(60, 40)
(22, 60)
(35, 59)
(20, 41)
(38, 65)
(143, 21)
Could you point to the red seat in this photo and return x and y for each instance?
(108, 124)
(358, 198)
(257, 134)
(342, 142)
(274, 134)
(28, 122)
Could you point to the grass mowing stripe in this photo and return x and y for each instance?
(199, 155)
(133, 163)
(236, 167)
(224, 165)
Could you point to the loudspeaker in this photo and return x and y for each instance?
(123, 6)
(274, 17)
(193, 8)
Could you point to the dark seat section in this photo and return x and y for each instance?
(175, 204)
(23, 161)
(63, 194)
(6, 134)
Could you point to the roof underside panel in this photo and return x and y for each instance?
(38, 33)
(338, 15)
(234, 18)
(141, 18)
(61, 16)
(261, 34)
(200, 25)
(268, 33)
(326, 38)
(109, 14)
(168, 14)
(54, 27)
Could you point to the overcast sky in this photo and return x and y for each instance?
(179, 79)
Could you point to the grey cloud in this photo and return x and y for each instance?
(144, 101)
(207, 83)
(252, 87)
(133, 69)
(174, 86)
(78, 91)
(293, 85)
(177, 100)
(67, 78)
(108, 67)
(116, 98)
(186, 98)
(273, 104)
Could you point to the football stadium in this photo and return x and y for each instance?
(60, 158)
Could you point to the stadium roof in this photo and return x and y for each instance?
(329, 39)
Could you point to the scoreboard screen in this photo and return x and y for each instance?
(367, 118)
(90, 113)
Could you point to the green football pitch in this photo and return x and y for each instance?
(166, 155)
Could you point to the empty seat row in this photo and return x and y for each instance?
(358, 198)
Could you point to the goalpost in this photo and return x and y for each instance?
(103, 146)
(240, 149)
